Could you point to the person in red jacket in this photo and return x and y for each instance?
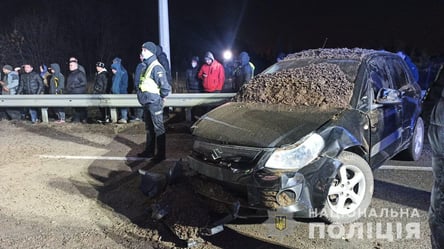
(212, 74)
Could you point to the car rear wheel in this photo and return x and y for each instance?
(351, 191)
(413, 152)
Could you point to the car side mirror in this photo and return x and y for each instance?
(387, 96)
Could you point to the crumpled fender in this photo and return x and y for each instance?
(344, 134)
(318, 178)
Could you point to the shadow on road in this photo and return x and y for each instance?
(402, 195)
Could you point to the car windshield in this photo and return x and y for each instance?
(318, 82)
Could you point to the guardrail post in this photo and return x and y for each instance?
(188, 114)
(113, 112)
(45, 115)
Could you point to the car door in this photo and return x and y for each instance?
(385, 120)
(403, 82)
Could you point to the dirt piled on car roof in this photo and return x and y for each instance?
(321, 85)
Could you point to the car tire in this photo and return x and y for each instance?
(414, 151)
(350, 192)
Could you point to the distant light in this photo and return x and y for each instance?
(227, 55)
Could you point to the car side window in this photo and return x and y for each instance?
(378, 76)
(398, 73)
(375, 78)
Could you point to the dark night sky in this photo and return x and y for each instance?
(263, 28)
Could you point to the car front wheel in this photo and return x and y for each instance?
(351, 191)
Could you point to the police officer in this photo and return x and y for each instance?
(152, 89)
(436, 138)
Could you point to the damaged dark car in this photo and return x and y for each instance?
(304, 136)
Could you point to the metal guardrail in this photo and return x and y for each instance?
(113, 101)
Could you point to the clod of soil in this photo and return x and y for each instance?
(186, 212)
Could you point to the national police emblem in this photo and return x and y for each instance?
(280, 222)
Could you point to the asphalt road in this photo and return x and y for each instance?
(95, 170)
(397, 217)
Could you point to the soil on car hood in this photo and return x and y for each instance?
(259, 125)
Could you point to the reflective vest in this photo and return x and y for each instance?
(147, 84)
(252, 68)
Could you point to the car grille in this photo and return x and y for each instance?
(231, 156)
(259, 198)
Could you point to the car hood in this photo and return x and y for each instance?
(260, 125)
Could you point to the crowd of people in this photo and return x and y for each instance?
(211, 76)
(152, 84)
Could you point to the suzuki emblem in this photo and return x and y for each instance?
(216, 154)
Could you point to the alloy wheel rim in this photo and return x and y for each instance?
(418, 138)
(347, 190)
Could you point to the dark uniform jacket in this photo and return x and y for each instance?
(76, 82)
(30, 83)
(101, 84)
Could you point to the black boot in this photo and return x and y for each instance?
(161, 148)
(149, 147)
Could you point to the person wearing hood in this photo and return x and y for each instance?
(56, 86)
(212, 74)
(410, 64)
(153, 88)
(163, 60)
(120, 86)
(244, 73)
(118, 61)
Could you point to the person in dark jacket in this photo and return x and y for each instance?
(244, 72)
(411, 65)
(194, 84)
(57, 86)
(436, 138)
(101, 86)
(138, 112)
(165, 62)
(30, 83)
(120, 86)
(153, 89)
(81, 68)
(76, 84)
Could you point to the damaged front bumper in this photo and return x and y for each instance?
(302, 193)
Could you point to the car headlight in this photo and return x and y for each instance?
(297, 155)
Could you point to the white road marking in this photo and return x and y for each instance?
(110, 158)
(412, 168)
